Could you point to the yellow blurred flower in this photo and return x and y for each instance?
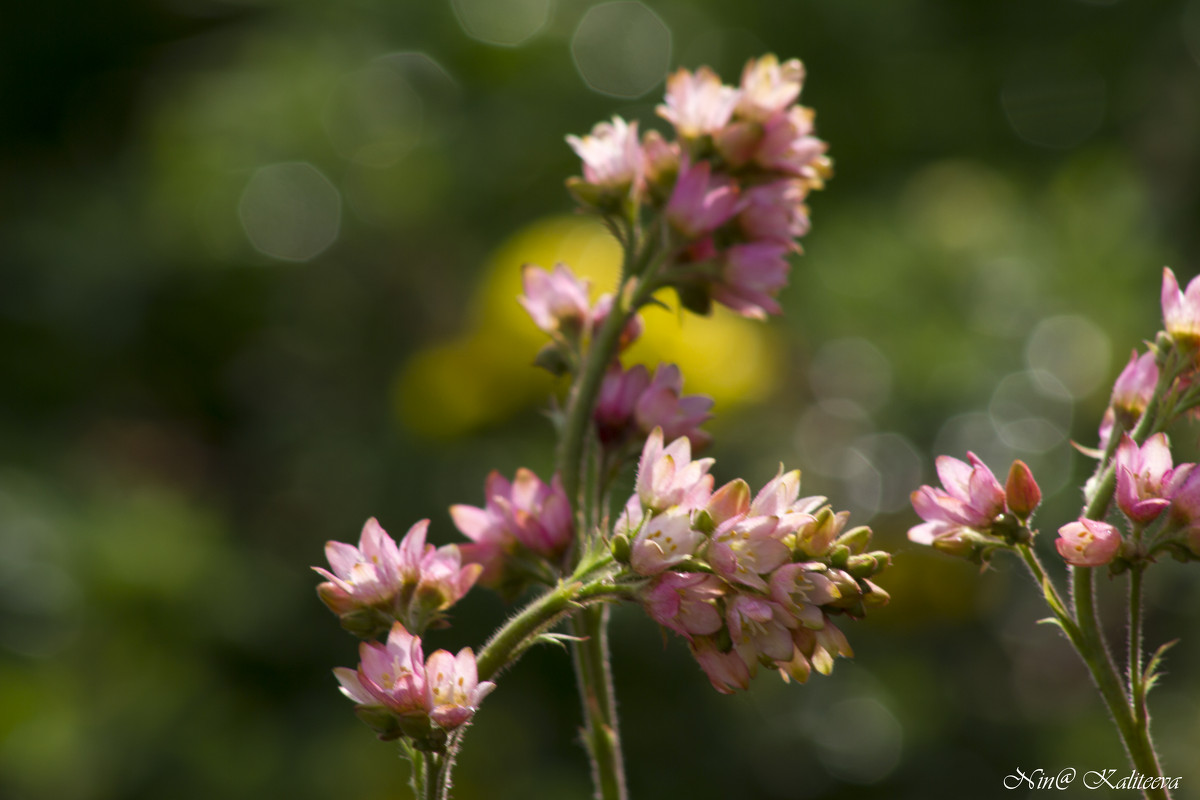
(486, 375)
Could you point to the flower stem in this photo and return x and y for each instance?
(590, 651)
(431, 774)
(601, 733)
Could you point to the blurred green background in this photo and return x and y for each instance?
(257, 269)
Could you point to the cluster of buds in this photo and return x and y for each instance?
(522, 532)
(972, 514)
(747, 581)
(731, 185)
(380, 582)
(398, 693)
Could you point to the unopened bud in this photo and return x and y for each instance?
(875, 596)
(365, 623)
(1021, 491)
(856, 539)
(883, 559)
(839, 555)
(704, 522)
(383, 722)
(861, 566)
(1163, 345)
(551, 359)
(619, 545)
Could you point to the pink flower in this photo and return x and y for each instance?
(662, 405)
(701, 202)
(619, 393)
(751, 275)
(775, 212)
(367, 575)
(758, 629)
(685, 602)
(658, 541)
(526, 513)
(1181, 310)
(1088, 543)
(780, 497)
(698, 103)
(413, 582)
(744, 549)
(972, 500)
(611, 154)
(1134, 387)
(557, 301)
(801, 589)
(394, 678)
(788, 146)
(668, 477)
(726, 671)
(769, 87)
(1184, 491)
(390, 675)
(1143, 475)
(660, 158)
(453, 689)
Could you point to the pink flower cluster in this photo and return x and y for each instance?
(974, 514)
(732, 185)
(379, 581)
(630, 404)
(524, 526)
(1148, 485)
(746, 581)
(398, 693)
(962, 517)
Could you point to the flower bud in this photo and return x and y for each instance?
(839, 556)
(1021, 492)
(619, 545)
(875, 596)
(856, 539)
(551, 359)
(861, 566)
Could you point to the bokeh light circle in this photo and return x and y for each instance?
(290, 211)
(505, 23)
(621, 49)
(1075, 350)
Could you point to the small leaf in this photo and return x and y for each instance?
(558, 639)
(1150, 676)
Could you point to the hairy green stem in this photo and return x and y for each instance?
(431, 774)
(590, 651)
(516, 635)
(601, 732)
(1127, 706)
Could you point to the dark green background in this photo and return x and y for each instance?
(185, 420)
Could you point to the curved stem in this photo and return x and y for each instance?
(516, 635)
